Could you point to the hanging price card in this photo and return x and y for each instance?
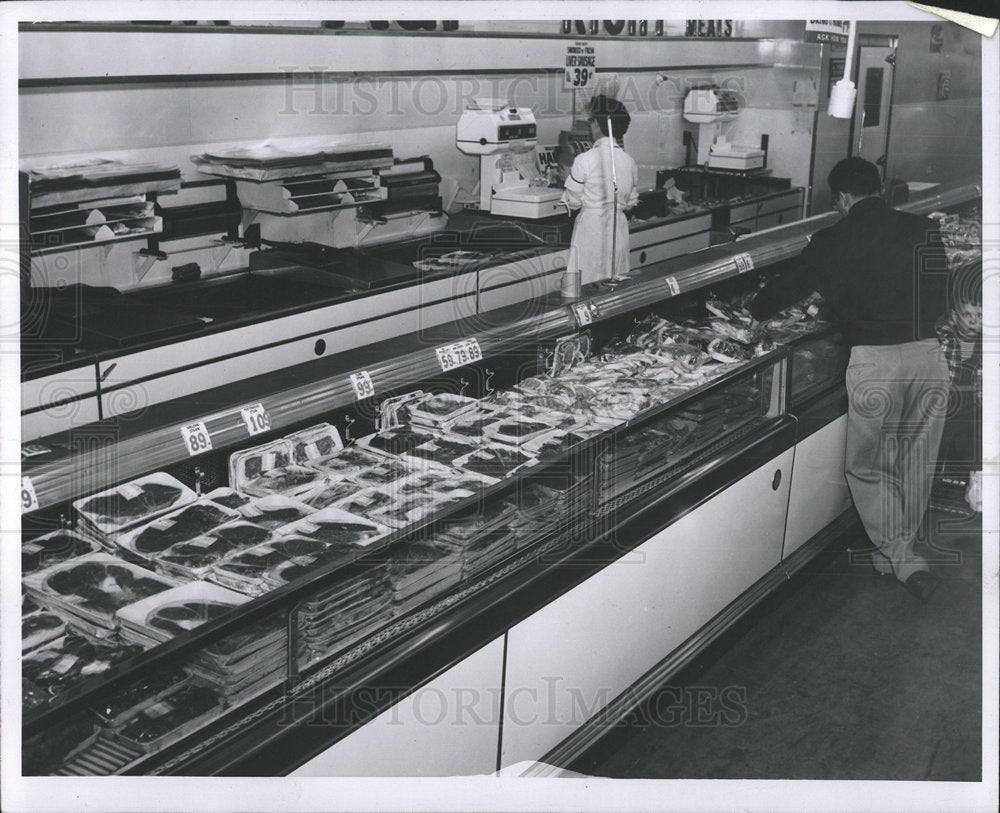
(362, 383)
(584, 313)
(459, 354)
(29, 500)
(673, 286)
(256, 419)
(196, 438)
(744, 263)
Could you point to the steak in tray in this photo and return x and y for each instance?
(132, 503)
(179, 526)
(52, 548)
(95, 586)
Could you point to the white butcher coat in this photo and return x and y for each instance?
(588, 188)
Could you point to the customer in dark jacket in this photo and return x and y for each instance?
(883, 275)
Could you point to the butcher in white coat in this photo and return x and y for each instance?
(589, 188)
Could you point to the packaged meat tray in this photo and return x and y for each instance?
(435, 410)
(515, 431)
(342, 464)
(365, 502)
(253, 571)
(62, 666)
(396, 441)
(395, 411)
(444, 450)
(330, 492)
(52, 548)
(475, 521)
(371, 585)
(130, 504)
(274, 510)
(120, 707)
(172, 612)
(183, 525)
(486, 551)
(495, 461)
(170, 719)
(40, 627)
(193, 560)
(270, 469)
(313, 443)
(386, 474)
(227, 497)
(421, 563)
(335, 526)
(94, 587)
(411, 509)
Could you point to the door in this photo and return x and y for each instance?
(872, 108)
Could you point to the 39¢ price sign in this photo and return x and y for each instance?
(581, 65)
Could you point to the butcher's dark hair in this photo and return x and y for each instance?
(855, 176)
(601, 107)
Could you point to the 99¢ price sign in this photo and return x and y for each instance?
(362, 384)
(196, 438)
(459, 354)
(581, 65)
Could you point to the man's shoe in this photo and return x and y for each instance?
(922, 584)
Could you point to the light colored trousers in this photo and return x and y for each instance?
(897, 401)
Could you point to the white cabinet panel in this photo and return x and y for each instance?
(575, 655)
(448, 727)
(819, 489)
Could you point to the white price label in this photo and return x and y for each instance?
(196, 438)
(581, 65)
(459, 354)
(29, 500)
(744, 263)
(583, 314)
(256, 419)
(362, 383)
(673, 286)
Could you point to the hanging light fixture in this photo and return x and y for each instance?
(844, 93)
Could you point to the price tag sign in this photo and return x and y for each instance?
(673, 286)
(256, 419)
(459, 354)
(581, 65)
(583, 314)
(744, 263)
(363, 387)
(29, 500)
(196, 438)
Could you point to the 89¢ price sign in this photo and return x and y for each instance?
(581, 65)
(29, 500)
(196, 438)
(256, 419)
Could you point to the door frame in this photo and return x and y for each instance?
(890, 41)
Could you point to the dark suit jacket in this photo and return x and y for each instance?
(883, 274)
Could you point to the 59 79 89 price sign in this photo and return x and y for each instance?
(459, 354)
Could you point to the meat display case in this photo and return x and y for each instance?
(280, 663)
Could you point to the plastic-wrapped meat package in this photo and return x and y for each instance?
(334, 526)
(52, 548)
(40, 627)
(130, 504)
(495, 461)
(125, 703)
(274, 510)
(227, 497)
(313, 443)
(435, 410)
(61, 667)
(178, 526)
(171, 718)
(270, 469)
(444, 451)
(330, 492)
(194, 559)
(342, 464)
(397, 441)
(94, 587)
(161, 617)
